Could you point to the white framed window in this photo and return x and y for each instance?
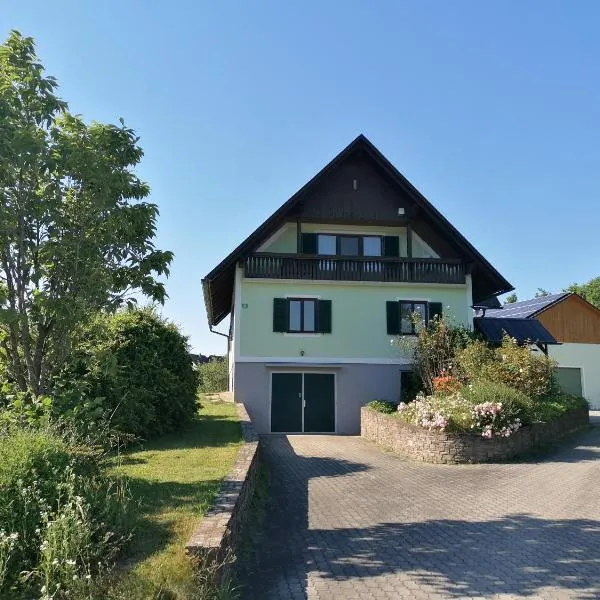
(302, 315)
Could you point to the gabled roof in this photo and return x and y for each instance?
(526, 308)
(522, 330)
(219, 283)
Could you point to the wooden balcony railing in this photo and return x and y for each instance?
(336, 268)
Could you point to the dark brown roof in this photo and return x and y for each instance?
(219, 283)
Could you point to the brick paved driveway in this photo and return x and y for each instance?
(348, 521)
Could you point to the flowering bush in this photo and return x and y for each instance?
(488, 409)
(438, 412)
(490, 419)
(432, 352)
(446, 384)
(472, 387)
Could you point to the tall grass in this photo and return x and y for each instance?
(63, 521)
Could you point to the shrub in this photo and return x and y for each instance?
(446, 384)
(136, 367)
(550, 408)
(434, 349)
(61, 520)
(451, 412)
(213, 376)
(511, 364)
(485, 408)
(515, 404)
(383, 406)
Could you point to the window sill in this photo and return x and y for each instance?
(302, 334)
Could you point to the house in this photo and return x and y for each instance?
(318, 292)
(575, 324)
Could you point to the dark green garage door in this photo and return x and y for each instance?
(569, 379)
(303, 402)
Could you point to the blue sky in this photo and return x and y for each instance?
(492, 109)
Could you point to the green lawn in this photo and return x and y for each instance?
(176, 478)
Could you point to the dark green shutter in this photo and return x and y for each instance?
(393, 318)
(391, 245)
(409, 242)
(280, 314)
(435, 310)
(309, 243)
(324, 316)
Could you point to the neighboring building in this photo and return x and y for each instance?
(575, 324)
(318, 292)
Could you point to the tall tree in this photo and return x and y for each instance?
(590, 291)
(511, 299)
(75, 233)
(542, 293)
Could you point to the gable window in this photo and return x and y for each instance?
(349, 245)
(406, 317)
(371, 246)
(329, 244)
(301, 315)
(326, 244)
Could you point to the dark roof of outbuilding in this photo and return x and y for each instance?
(526, 308)
(523, 330)
(488, 303)
(218, 285)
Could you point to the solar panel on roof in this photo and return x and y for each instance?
(523, 330)
(525, 308)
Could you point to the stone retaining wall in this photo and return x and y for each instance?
(417, 443)
(216, 537)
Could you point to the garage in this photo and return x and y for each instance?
(570, 380)
(302, 402)
(575, 325)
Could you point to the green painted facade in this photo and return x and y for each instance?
(359, 326)
(286, 240)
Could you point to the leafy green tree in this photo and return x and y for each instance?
(511, 299)
(589, 291)
(213, 375)
(75, 233)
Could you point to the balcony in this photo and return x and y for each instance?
(337, 268)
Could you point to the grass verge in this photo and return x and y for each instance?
(176, 479)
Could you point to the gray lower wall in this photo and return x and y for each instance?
(356, 384)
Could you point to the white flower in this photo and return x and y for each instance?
(71, 562)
